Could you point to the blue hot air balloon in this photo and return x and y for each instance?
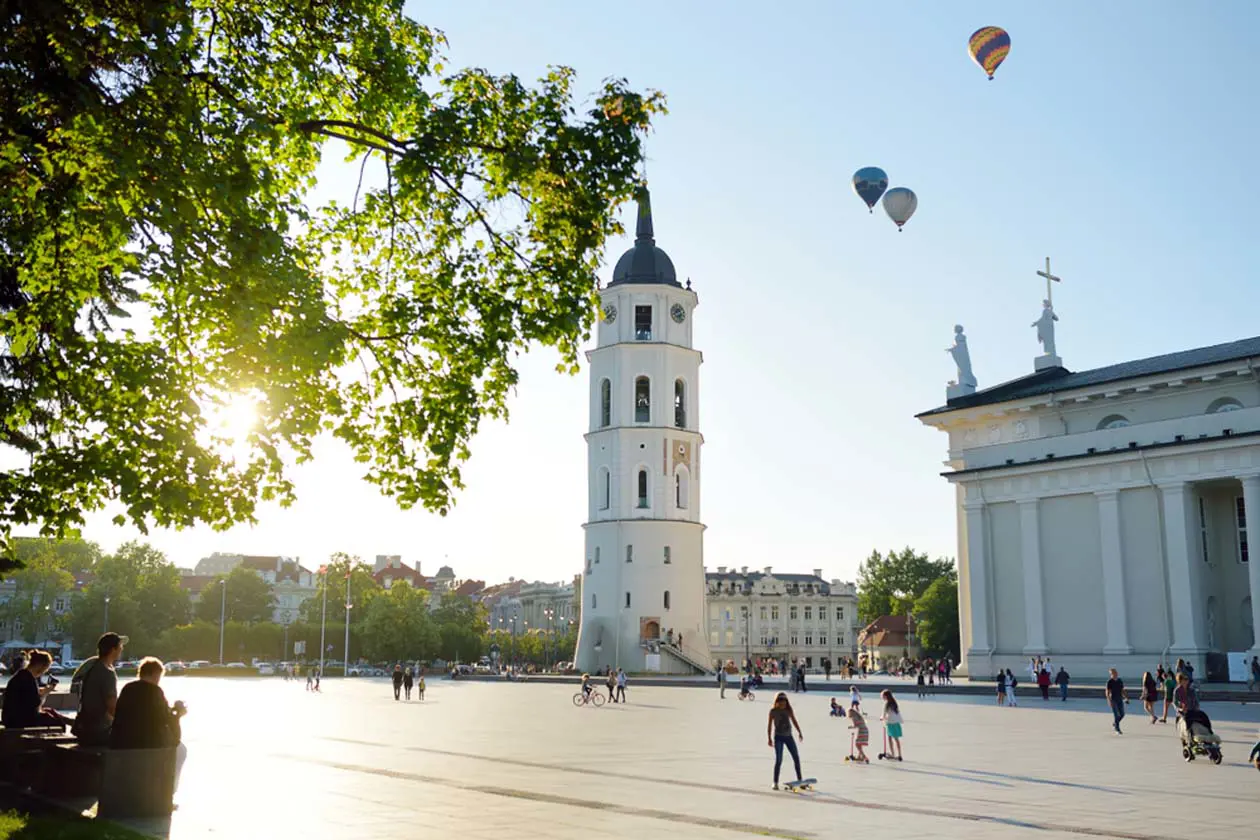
(869, 183)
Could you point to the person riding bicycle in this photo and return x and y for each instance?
(586, 686)
(744, 693)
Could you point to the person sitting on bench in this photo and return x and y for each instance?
(97, 687)
(143, 720)
(24, 698)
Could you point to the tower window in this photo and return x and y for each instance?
(643, 323)
(681, 482)
(629, 554)
(605, 403)
(596, 554)
(1240, 512)
(605, 488)
(594, 601)
(680, 403)
(627, 600)
(643, 489)
(1113, 421)
(666, 599)
(642, 400)
(668, 557)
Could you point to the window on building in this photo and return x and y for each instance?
(594, 602)
(666, 599)
(1224, 404)
(1203, 529)
(839, 613)
(605, 403)
(682, 483)
(629, 554)
(763, 641)
(596, 554)
(792, 613)
(763, 613)
(730, 638)
(642, 400)
(809, 641)
(605, 488)
(643, 489)
(643, 323)
(680, 404)
(669, 559)
(794, 642)
(627, 600)
(840, 640)
(822, 641)
(809, 662)
(713, 639)
(809, 613)
(774, 613)
(1113, 421)
(1240, 513)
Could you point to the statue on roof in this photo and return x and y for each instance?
(962, 358)
(1045, 327)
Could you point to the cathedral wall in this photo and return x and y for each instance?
(1008, 579)
(1146, 594)
(1071, 564)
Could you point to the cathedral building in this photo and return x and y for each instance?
(1103, 514)
(644, 546)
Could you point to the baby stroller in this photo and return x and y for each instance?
(1197, 737)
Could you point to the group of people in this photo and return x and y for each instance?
(1175, 684)
(782, 720)
(138, 717)
(1039, 671)
(616, 683)
(405, 680)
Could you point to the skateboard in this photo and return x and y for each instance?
(800, 785)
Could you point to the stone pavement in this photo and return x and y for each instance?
(500, 760)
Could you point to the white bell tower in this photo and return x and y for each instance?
(644, 569)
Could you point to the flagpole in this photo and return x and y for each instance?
(345, 663)
(323, 621)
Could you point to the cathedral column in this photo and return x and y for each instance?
(1251, 509)
(977, 581)
(1180, 575)
(1113, 573)
(1034, 605)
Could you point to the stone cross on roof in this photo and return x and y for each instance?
(1046, 274)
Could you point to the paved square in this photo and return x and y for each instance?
(497, 760)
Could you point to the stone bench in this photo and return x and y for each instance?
(137, 783)
(70, 770)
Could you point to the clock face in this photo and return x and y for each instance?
(678, 313)
(610, 313)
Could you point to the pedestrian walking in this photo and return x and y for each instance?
(800, 677)
(721, 677)
(1001, 687)
(1011, 682)
(1062, 680)
(420, 686)
(922, 686)
(1043, 682)
(408, 682)
(397, 678)
(1117, 697)
(779, 735)
(611, 683)
(855, 697)
(1150, 693)
(1169, 682)
(310, 679)
(621, 685)
(1253, 685)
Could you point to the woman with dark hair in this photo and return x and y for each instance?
(1150, 693)
(779, 735)
(24, 698)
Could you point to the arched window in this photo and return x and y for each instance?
(680, 404)
(596, 554)
(643, 488)
(642, 400)
(682, 480)
(1224, 404)
(605, 403)
(1113, 421)
(627, 600)
(666, 599)
(604, 486)
(594, 601)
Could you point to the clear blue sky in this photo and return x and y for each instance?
(1118, 139)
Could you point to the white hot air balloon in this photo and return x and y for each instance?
(900, 204)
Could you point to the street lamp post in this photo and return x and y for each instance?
(105, 629)
(222, 615)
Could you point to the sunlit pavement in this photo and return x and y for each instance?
(267, 759)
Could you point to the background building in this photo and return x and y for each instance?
(291, 583)
(644, 568)
(887, 640)
(218, 564)
(753, 615)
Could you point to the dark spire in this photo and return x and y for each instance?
(643, 229)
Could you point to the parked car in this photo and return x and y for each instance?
(176, 667)
(199, 663)
(458, 671)
(266, 669)
(236, 665)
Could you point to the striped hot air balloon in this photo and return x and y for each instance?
(988, 47)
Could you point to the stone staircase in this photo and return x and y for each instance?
(683, 656)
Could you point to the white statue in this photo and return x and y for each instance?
(962, 358)
(1045, 327)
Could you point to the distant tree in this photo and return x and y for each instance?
(362, 586)
(936, 612)
(396, 625)
(461, 625)
(74, 555)
(145, 598)
(890, 584)
(248, 598)
(29, 610)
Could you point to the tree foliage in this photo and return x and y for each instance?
(461, 624)
(362, 587)
(890, 584)
(30, 609)
(160, 251)
(396, 625)
(936, 613)
(144, 597)
(246, 598)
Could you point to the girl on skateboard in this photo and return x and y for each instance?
(892, 724)
(779, 735)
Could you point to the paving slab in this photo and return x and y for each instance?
(268, 759)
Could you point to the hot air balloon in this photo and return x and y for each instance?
(869, 183)
(900, 204)
(988, 47)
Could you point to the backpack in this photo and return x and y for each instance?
(1014, 682)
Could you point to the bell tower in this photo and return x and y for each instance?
(643, 575)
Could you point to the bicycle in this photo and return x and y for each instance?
(594, 698)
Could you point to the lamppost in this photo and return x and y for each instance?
(105, 629)
(550, 614)
(747, 641)
(222, 615)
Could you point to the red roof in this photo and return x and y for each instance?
(195, 583)
(261, 564)
(401, 572)
(470, 587)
